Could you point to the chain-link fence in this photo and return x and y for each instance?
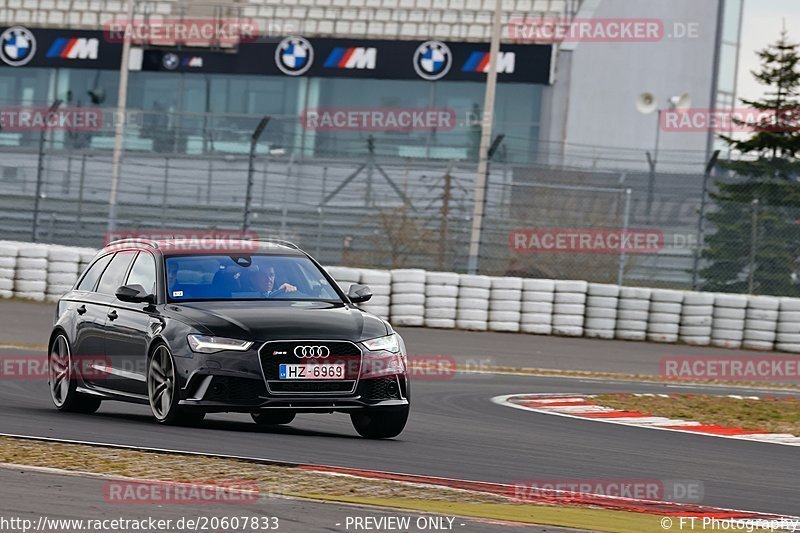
(356, 200)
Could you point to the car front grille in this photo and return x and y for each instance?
(275, 353)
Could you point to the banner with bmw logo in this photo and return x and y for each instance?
(23, 46)
(294, 55)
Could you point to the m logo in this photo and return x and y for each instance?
(76, 48)
(479, 62)
(352, 58)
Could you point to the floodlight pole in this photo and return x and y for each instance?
(486, 138)
(119, 123)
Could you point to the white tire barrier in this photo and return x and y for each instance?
(8, 268)
(697, 318)
(727, 329)
(663, 322)
(474, 293)
(441, 299)
(30, 276)
(601, 310)
(569, 307)
(633, 313)
(537, 306)
(380, 283)
(408, 285)
(787, 326)
(505, 304)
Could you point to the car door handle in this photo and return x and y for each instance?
(81, 309)
(112, 315)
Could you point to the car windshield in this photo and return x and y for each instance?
(246, 277)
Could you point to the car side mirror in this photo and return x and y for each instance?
(134, 294)
(359, 293)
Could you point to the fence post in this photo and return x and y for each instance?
(40, 170)
(250, 169)
(164, 192)
(701, 218)
(753, 246)
(80, 190)
(625, 221)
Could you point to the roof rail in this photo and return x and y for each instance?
(139, 240)
(278, 241)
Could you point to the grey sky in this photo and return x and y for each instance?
(763, 21)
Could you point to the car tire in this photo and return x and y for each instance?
(62, 382)
(163, 392)
(380, 423)
(273, 418)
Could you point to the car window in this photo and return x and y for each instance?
(220, 277)
(143, 272)
(90, 278)
(114, 275)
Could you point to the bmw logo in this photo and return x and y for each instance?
(432, 60)
(170, 61)
(17, 46)
(294, 56)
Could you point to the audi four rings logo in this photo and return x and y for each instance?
(306, 352)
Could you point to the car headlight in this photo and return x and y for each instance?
(390, 343)
(211, 344)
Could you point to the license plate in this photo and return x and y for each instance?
(312, 371)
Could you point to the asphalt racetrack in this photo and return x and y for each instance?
(454, 430)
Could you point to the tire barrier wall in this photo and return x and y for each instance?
(415, 297)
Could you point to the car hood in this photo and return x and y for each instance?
(263, 321)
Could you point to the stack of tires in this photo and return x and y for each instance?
(380, 281)
(441, 299)
(62, 271)
(408, 297)
(727, 330)
(537, 306)
(473, 302)
(633, 312)
(788, 337)
(664, 319)
(87, 254)
(344, 276)
(761, 322)
(601, 310)
(8, 267)
(697, 317)
(569, 306)
(505, 304)
(30, 279)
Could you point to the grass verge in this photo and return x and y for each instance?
(276, 480)
(775, 415)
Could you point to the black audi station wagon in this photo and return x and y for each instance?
(259, 327)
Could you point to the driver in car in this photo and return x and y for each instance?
(265, 283)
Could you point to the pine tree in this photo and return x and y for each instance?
(757, 218)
